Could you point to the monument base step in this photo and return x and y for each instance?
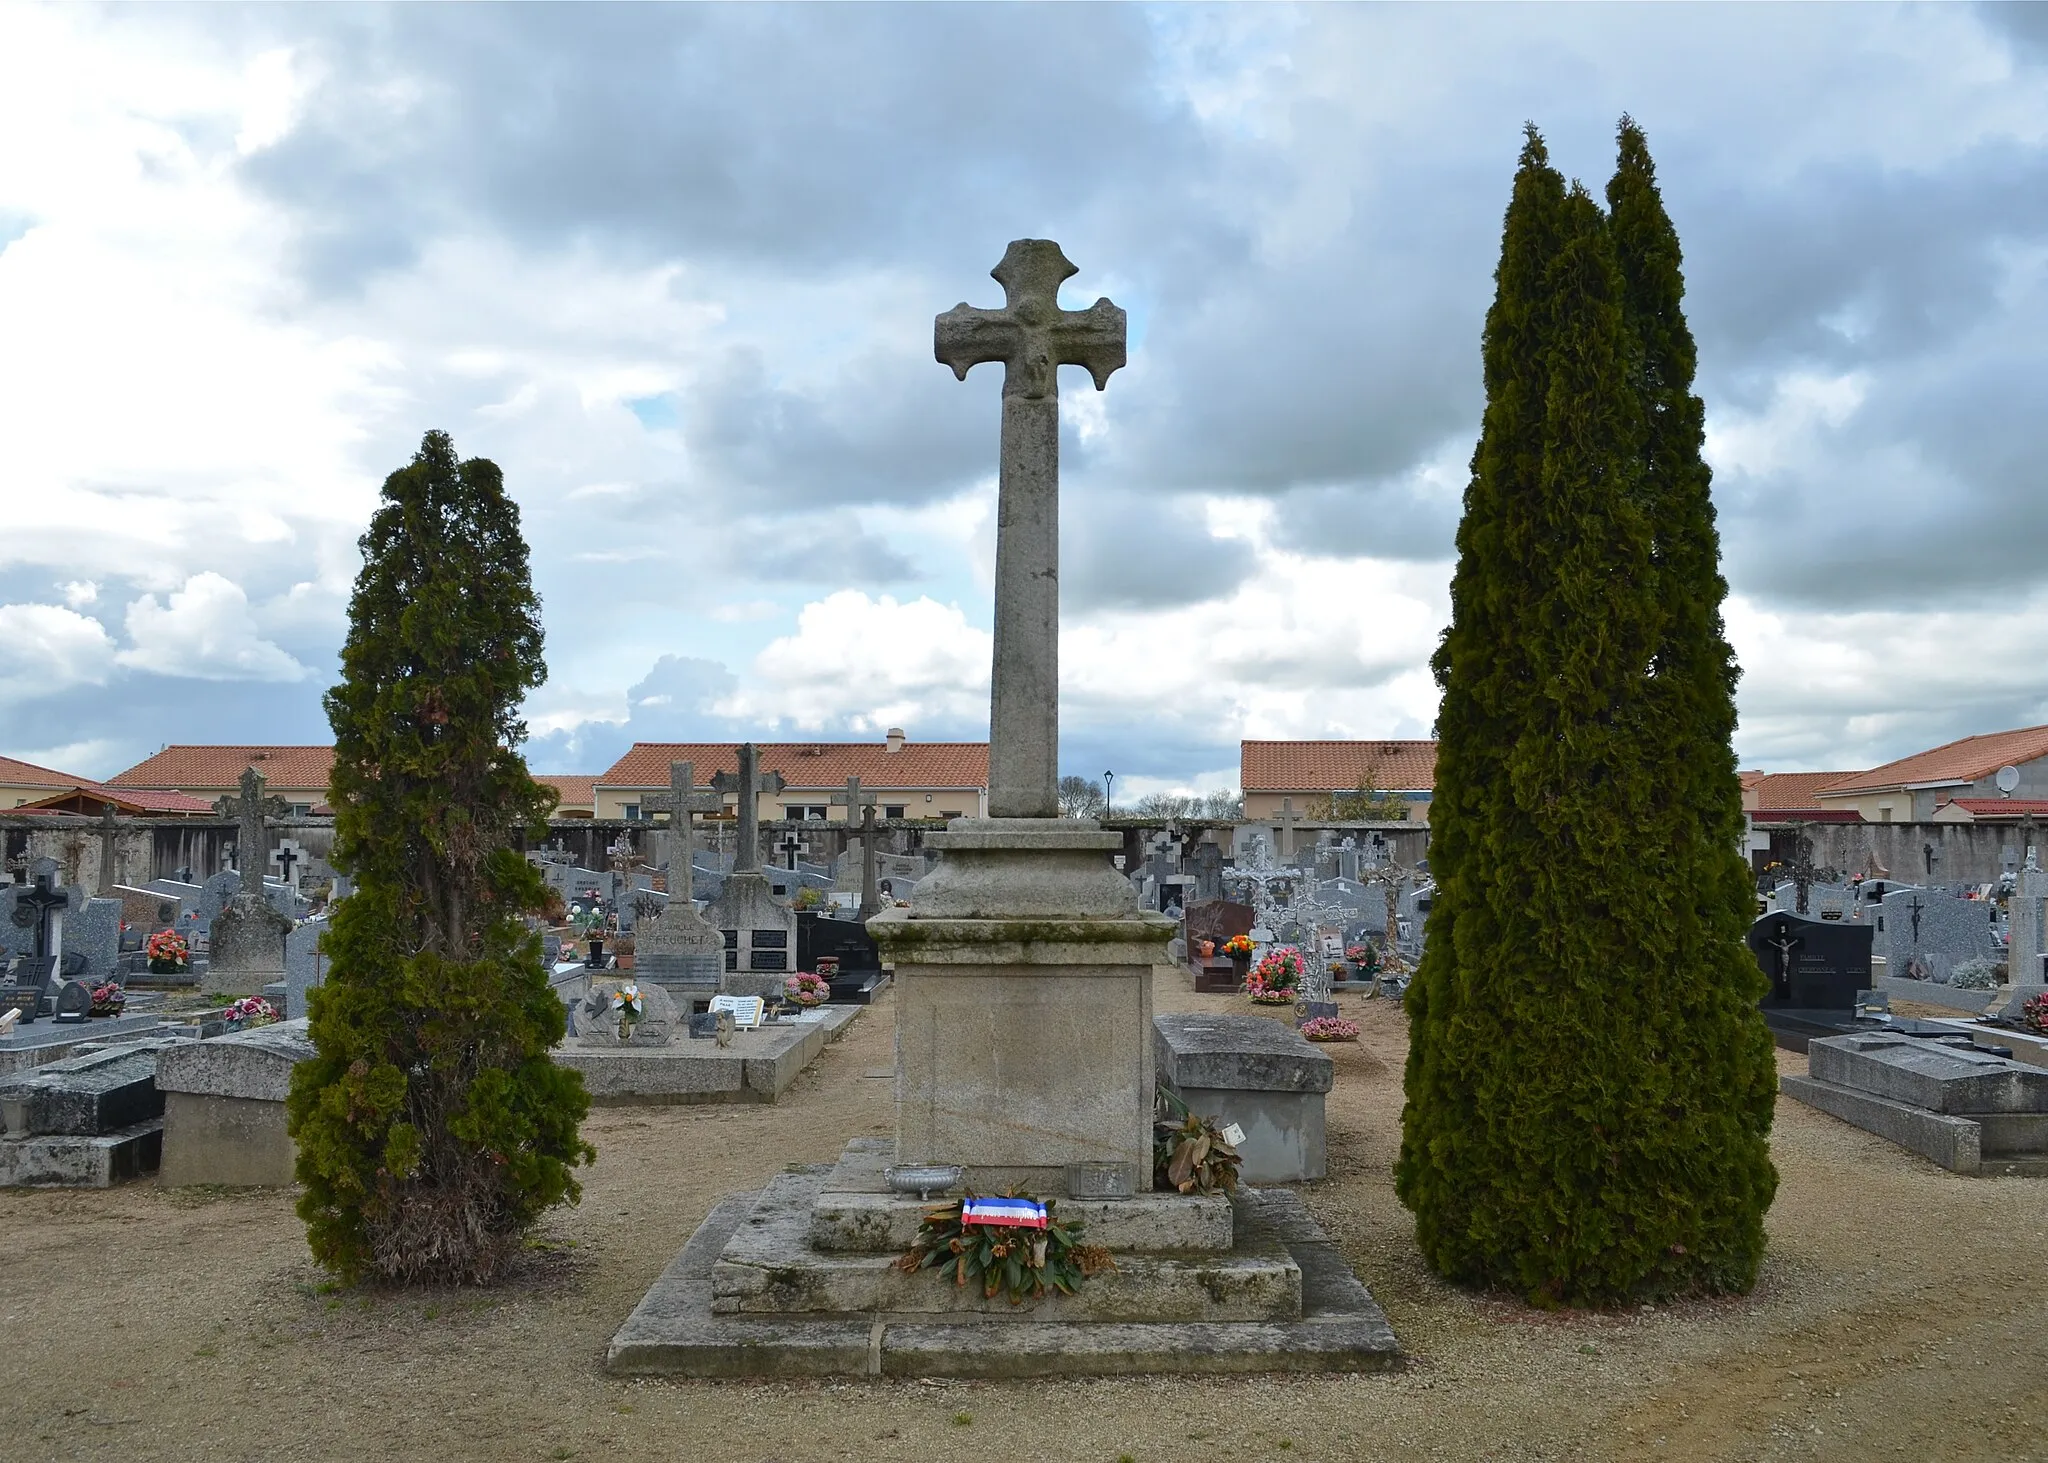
(855, 1213)
(676, 1331)
(64, 1161)
(769, 1268)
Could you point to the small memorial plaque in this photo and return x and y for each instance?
(747, 1011)
(74, 1001)
(768, 959)
(771, 940)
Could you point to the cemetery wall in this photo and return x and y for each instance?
(1924, 853)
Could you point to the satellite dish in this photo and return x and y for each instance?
(2008, 779)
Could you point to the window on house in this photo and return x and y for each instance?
(950, 813)
(630, 812)
(302, 810)
(1884, 812)
(806, 812)
(894, 810)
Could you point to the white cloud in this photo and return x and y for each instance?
(869, 664)
(205, 631)
(79, 593)
(48, 648)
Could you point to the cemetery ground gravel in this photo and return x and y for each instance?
(1898, 1316)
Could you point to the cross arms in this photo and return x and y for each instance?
(1031, 335)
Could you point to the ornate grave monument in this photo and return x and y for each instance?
(1024, 1045)
(246, 950)
(758, 930)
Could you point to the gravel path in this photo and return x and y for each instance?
(1899, 1315)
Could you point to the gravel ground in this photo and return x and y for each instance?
(1895, 1318)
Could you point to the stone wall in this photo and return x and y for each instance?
(1923, 853)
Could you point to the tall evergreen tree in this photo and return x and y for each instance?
(1566, 1135)
(432, 1127)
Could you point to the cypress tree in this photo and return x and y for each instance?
(1711, 1032)
(432, 1127)
(1565, 1134)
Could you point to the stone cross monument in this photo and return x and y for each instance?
(108, 852)
(679, 802)
(246, 950)
(1031, 336)
(870, 899)
(1024, 1028)
(749, 783)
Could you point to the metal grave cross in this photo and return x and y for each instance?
(789, 846)
(749, 783)
(1913, 908)
(1031, 337)
(681, 800)
(286, 858)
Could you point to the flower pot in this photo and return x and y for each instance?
(1206, 948)
(1242, 964)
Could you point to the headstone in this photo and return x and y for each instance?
(1926, 933)
(29, 986)
(1258, 1074)
(678, 950)
(305, 966)
(1208, 873)
(1812, 964)
(246, 943)
(93, 934)
(74, 1002)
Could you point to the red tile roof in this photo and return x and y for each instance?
(812, 764)
(1794, 789)
(16, 773)
(2002, 807)
(1806, 815)
(1965, 760)
(1336, 766)
(143, 802)
(577, 791)
(222, 767)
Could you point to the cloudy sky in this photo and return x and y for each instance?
(675, 270)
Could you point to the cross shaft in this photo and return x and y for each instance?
(1031, 337)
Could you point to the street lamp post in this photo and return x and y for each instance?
(1107, 779)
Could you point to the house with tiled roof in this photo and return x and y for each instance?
(1992, 810)
(1308, 775)
(92, 799)
(22, 783)
(579, 794)
(296, 774)
(1915, 789)
(1783, 797)
(910, 779)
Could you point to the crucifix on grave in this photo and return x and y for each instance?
(1913, 909)
(1801, 869)
(682, 800)
(1031, 337)
(748, 784)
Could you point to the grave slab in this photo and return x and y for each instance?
(758, 1067)
(1258, 1074)
(224, 1120)
(97, 1161)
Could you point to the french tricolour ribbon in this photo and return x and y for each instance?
(1016, 1213)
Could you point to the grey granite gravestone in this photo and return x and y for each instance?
(1928, 932)
(1263, 1076)
(92, 931)
(597, 1019)
(305, 966)
(679, 950)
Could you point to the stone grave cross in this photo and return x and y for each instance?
(680, 801)
(107, 871)
(1803, 871)
(1287, 821)
(853, 799)
(252, 844)
(870, 900)
(1031, 337)
(749, 783)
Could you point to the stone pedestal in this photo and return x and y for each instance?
(1024, 1015)
(246, 946)
(678, 950)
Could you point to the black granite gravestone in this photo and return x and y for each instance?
(848, 942)
(29, 986)
(74, 1001)
(1816, 970)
